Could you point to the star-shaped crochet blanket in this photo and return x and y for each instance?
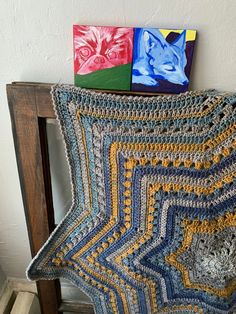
(152, 223)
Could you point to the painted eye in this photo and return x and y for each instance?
(169, 67)
(112, 55)
(85, 52)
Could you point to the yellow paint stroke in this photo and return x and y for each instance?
(190, 34)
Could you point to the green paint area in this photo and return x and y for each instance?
(117, 78)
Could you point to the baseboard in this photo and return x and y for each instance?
(26, 303)
(22, 284)
(7, 299)
(19, 297)
(3, 288)
(16, 286)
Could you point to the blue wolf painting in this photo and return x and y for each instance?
(162, 60)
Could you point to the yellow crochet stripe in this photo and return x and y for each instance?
(154, 117)
(196, 226)
(198, 190)
(185, 147)
(177, 308)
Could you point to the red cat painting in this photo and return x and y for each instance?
(97, 48)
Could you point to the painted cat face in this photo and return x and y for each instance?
(166, 60)
(98, 48)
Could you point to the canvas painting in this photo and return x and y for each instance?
(103, 57)
(133, 59)
(162, 60)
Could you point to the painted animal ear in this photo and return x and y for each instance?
(150, 41)
(180, 41)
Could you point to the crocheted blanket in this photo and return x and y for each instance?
(152, 227)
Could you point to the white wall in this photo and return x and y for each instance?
(36, 45)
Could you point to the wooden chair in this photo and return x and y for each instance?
(30, 105)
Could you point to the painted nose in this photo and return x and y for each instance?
(99, 59)
(185, 82)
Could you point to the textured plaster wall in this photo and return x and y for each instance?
(36, 45)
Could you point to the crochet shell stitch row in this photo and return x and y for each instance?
(152, 226)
